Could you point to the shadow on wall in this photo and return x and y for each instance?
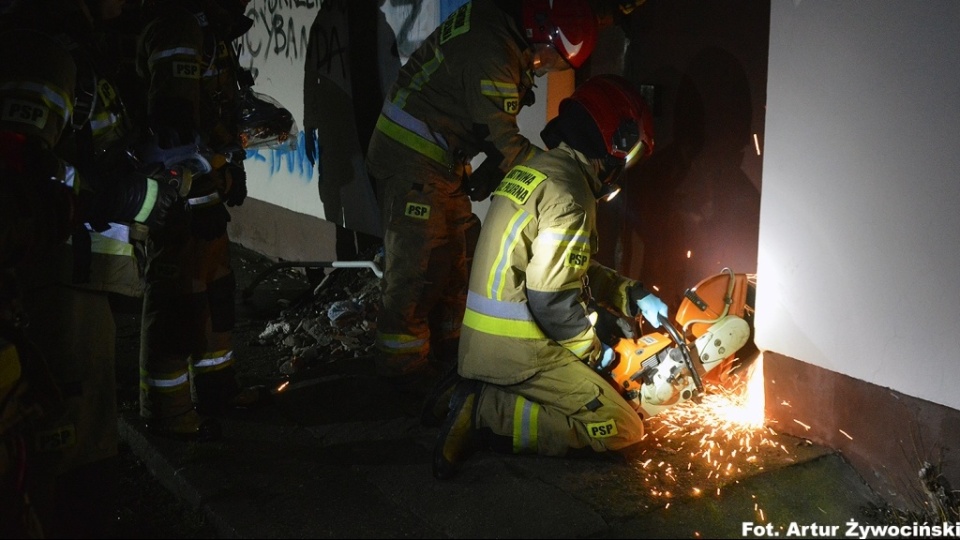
(689, 210)
(351, 58)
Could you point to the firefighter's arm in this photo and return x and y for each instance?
(170, 62)
(625, 295)
(561, 256)
(611, 289)
(493, 103)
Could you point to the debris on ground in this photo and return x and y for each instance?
(937, 500)
(333, 322)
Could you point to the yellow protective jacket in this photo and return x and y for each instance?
(457, 96)
(533, 273)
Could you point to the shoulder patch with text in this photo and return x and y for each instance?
(24, 112)
(457, 23)
(577, 259)
(186, 70)
(519, 183)
(602, 430)
(417, 211)
(511, 106)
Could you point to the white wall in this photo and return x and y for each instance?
(275, 49)
(859, 245)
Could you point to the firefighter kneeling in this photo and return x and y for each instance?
(527, 343)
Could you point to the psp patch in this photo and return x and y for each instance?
(24, 112)
(56, 439)
(417, 211)
(602, 430)
(576, 259)
(511, 106)
(186, 70)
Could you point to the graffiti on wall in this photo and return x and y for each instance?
(279, 29)
(277, 48)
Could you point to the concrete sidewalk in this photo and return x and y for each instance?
(341, 456)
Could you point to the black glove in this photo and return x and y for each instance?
(482, 182)
(209, 222)
(237, 185)
(134, 198)
(167, 201)
(310, 144)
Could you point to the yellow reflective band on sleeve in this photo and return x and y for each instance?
(519, 183)
(497, 279)
(411, 141)
(574, 243)
(148, 201)
(502, 327)
(498, 89)
(525, 416)
(507, 92)
(576, 239)
(420, 79)
(580, 347)
(602, 430)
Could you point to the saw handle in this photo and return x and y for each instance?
(684, 349)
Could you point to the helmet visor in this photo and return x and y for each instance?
(546, 59)
(627, 141)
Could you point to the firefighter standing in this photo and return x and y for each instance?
(28, 192)
(186, 60)
(69, 125)
(457, 96)
(528, 346)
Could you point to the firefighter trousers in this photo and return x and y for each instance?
(558, 410)
(74, 478)
(424, 285)
(186, 351)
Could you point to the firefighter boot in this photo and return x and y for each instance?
(458, 438)
(189, 426)
(437, 403)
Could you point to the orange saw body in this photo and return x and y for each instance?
(662, 369)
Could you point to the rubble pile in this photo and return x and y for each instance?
(334, 322)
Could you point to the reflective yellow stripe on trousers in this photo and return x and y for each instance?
(525, 415)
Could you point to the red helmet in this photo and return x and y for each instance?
(570, 26)
(620, 114)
